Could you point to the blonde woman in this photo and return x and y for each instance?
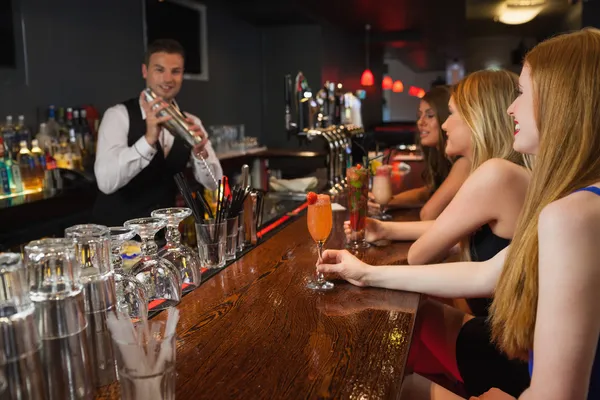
(442, 176)
(546, 306)
(484, 212)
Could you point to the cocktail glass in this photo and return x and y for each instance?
(320, 220)
(160, 277)
(181, 256)
(131, 294)
(382, 190)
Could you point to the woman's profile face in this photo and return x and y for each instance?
(527, 137)
(459, 141)
(427, 123)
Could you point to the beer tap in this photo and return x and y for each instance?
(345, 154)
(332, 137)
(311, 134)
(291, 127)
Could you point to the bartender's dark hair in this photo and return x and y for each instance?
(168, 46)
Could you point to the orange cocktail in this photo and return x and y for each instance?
(319, 221)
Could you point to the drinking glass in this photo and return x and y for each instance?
(147, 370)
(131, 294)
(92, 252)
(160, 277)
(358, 197)
(232, 238)
(382, 190)
(320, 220)
(212, 238)
(181, 256)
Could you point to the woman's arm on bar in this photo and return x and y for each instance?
(451, 280)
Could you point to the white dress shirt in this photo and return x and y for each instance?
(117, 163)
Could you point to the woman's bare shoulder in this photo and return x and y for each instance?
(575, 212)
(498, 173)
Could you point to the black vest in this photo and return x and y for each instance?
(153, 188)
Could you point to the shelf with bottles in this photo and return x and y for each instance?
(30, 164)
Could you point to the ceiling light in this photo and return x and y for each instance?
(516, 12)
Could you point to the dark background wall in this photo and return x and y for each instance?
(286, 50)
(90, 52)
(82, 52)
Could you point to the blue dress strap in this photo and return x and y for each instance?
(592, 189)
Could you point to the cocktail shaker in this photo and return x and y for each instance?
(178, 126)
(21, 373)
(56, 292)
(92, 254)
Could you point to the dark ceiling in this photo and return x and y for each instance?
(423, 34)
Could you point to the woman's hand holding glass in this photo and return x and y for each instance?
(374, 230)
(342, 264)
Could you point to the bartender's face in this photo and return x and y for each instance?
(164, 74)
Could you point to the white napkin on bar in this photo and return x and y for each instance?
(293, 185)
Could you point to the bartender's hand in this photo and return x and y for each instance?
(374, 230)
(152, 120)
(198, 150)
(344, 265)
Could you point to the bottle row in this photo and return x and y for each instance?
(67, 139)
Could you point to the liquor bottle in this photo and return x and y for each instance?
(76, 158)
(4, 179)
(22, 132)
(16, 182)
(78, 133)
(50, 162)
(63, 155)
(86, 132)
(31, 174)
(63, 132)
(9, 134)
(38, 153)
(43, 138)
(52, 126)
(69, 122)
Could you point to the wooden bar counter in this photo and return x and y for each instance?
(254, 331)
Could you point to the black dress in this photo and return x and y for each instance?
(484, 246)
(480, 363)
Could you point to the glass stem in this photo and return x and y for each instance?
(172, 235)
(319, 276)
(148, 247)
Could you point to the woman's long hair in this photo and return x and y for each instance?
(482, 99)
(565, 72)
(437, 164)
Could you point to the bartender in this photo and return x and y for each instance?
(136, 157)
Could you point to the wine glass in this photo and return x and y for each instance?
(382, 190)
(185, 259)
(319, 220)
(131, 294)
(160, 277)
